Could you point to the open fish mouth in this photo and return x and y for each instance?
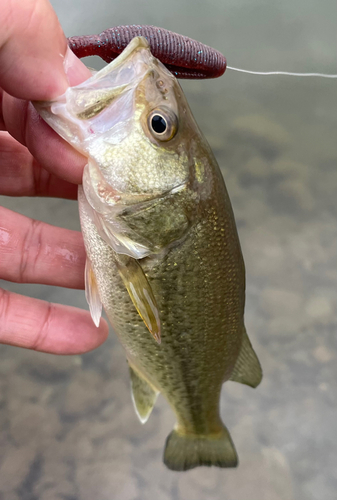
(76, 114)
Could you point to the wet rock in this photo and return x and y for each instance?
(56, 481)
(293, 169)
(323, 354)
(15, 468)
(84, 394)
(194, 486)
(106, 480)
(319, 308)
(32, 422)
(280, 302)
(258, 167)
(297, 193)
(49, 369)
(63, 491)
(261, 134)
(267, 477)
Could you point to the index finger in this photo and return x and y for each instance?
(35, 61)
(32, 50)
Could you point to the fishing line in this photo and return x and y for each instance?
(286, 73)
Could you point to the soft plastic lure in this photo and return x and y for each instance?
(184, 57)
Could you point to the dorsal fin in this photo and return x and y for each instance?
(247, 369)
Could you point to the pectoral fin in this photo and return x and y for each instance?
(247, 369)
(140, 292)
(91, 293)
(143, 395)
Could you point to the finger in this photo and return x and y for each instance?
(35, 252)
(42, 326)
(18, 116)
(2, 123)
(21, 175)
(50, 151)
(32, 50)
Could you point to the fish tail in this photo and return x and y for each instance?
(186, 451)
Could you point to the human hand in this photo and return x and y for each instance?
(34, 161)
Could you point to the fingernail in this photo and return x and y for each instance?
(76, 71)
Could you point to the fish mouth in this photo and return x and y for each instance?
(76, 115)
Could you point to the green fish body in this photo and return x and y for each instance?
(163, 254)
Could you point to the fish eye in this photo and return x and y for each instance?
(158, 124)
(162, 123)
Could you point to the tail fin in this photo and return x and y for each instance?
(183, 452)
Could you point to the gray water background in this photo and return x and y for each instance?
(67, 426)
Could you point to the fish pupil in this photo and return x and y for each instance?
(158, 124)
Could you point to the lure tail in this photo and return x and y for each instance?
(184, 452)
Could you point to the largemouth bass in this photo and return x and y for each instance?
(163, 254)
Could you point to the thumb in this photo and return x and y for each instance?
(34, 55)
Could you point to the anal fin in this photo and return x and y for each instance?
(247, 369)
(143, 395)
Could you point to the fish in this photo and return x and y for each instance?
(163, 254)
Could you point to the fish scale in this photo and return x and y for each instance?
(206, 320)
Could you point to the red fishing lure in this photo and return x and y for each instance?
(184, 57)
